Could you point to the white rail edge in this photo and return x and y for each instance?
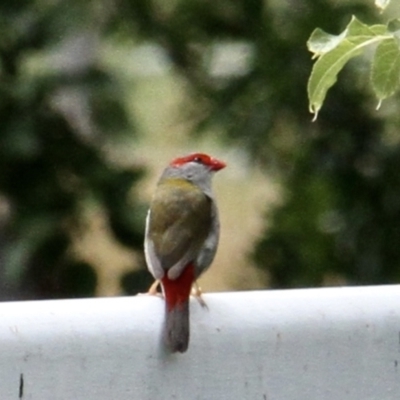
(336, 343)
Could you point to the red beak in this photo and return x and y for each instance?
(216, 165)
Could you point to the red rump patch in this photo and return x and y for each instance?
(177, 291)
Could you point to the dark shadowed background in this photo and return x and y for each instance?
(97, 96)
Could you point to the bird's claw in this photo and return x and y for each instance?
(153, 290)
(196, 293)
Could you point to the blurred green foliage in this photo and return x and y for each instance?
(341, 208)
(56, 120)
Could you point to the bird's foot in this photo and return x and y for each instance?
(153, 290)
(196, 293)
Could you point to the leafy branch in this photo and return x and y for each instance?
(334, 51)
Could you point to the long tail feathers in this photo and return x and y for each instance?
(176, 330)
(176, 292)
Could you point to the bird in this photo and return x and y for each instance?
(181, 239)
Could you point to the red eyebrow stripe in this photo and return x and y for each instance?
(202, 158)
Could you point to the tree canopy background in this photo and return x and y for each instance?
(61, 110)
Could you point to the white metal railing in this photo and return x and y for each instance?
(339, 343)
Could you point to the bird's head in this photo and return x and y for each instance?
(197, 168)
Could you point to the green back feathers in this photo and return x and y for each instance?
(180, 220)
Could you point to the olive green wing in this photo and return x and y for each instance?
(179, 222)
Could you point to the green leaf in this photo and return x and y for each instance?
(358, 31)
(334, 52)
(321, 42)
(394, 25)
(382, 4)
(385, 71)
(394, 29)
(325, 71)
